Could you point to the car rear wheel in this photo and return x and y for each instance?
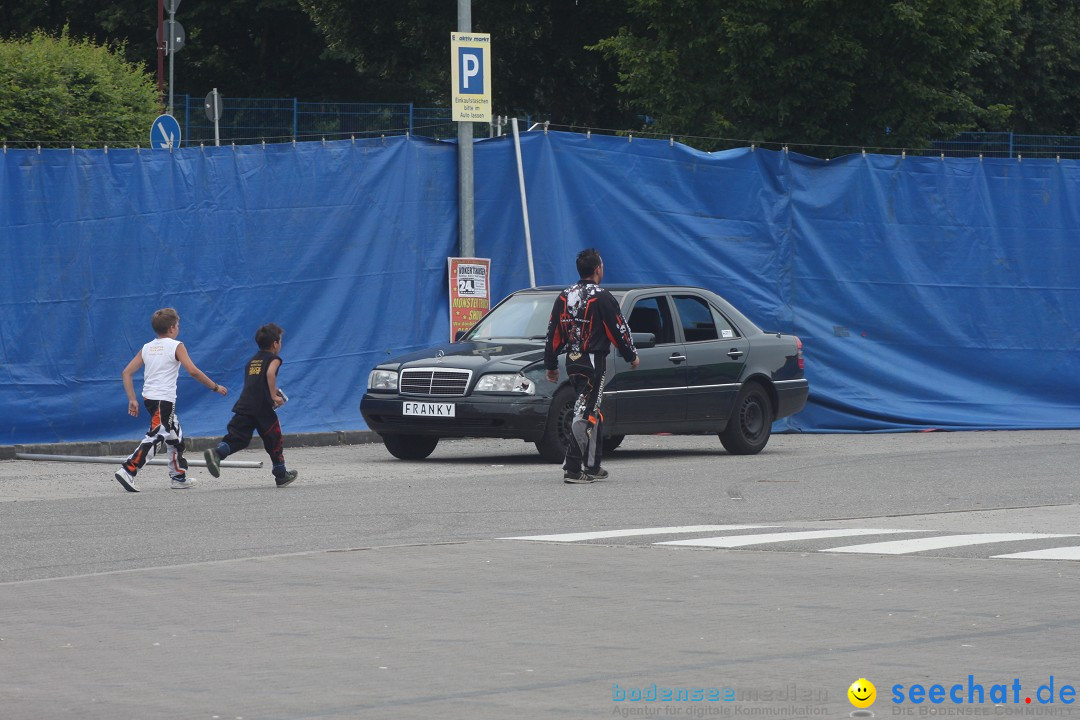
(612, 441)
(552, 447)
(750, 424)
(410, 447)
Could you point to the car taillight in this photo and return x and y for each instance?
(798, 353)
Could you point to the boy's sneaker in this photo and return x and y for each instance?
(597, 474)
(576, 477)
(126, 479)
(213, 462)
(181, 483)
(285, 479)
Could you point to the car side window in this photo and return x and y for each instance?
(697, 318)
(652, 315)
(726, 329)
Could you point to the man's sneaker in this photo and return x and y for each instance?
(126, 479)
(285, 479)
(213, 462)
(576, 477)
(597, 474)
(180, 484)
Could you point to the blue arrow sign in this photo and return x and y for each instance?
(165, 133)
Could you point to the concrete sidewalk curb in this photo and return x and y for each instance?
(124, 447)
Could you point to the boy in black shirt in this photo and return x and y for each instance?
(255, 410)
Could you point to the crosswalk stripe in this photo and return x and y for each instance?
(575, 537)
(743, 540)
(902, 547)
(1060, 553)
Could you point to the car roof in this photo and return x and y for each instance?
(615, 287)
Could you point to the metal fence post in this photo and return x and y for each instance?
(1010, 143)
(411, 133)
(295, 116)
(187, 118)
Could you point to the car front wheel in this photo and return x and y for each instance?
(552, 447)
(410, 447)
(750, 424)
(611, 442)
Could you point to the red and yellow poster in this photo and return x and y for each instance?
(470, 292)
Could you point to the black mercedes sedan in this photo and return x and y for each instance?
(705, 368)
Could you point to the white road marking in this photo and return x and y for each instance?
(743, 540)
(1060, 553)
(902, 547)
(575, 537)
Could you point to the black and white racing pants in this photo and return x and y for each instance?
(164, 429)
(585, 446)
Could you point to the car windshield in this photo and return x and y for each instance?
(520, 316)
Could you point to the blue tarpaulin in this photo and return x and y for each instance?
(928, 292)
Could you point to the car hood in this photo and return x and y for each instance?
(509, 356)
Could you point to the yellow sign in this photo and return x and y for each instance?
(470, 73)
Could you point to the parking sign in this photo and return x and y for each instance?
(470, 63)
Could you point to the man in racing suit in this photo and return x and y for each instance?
(585, 321)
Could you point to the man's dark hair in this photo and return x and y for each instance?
(587, 262)
(267, 335)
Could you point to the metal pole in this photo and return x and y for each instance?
(172, 53)
(524, 203)
(465, 158)
(217, 115)
(161, 50)
(118, 460)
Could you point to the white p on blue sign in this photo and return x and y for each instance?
(470, 70)
(165, 133)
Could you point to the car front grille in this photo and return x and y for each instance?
(434, 382)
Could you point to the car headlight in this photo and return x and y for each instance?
(382, 380)
(507, 383)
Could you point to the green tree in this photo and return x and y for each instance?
(540, 64)
(247, 48)
(1039, 71)
(58, 89)
(830, 72)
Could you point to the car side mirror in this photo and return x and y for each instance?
(459, 334)
(643, 340)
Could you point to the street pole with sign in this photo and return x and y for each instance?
(466, 240)
(174, 40)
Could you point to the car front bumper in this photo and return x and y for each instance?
(496, 416)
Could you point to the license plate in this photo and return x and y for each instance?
(428, 409)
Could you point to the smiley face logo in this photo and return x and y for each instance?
(862, 693)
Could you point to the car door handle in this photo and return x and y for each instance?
(734, 353)
(677, 358)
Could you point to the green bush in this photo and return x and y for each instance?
(57, 90)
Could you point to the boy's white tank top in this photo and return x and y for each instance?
(161, 369)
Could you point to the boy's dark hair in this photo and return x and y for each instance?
(587, 262)
(164, 319)
(267, 335)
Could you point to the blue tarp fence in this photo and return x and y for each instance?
(928, 293)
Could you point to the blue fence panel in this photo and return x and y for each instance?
(928, 293)
(1009, 145)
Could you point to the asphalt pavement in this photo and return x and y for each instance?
(476, 584)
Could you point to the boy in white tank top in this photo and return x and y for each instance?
(162, 358)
